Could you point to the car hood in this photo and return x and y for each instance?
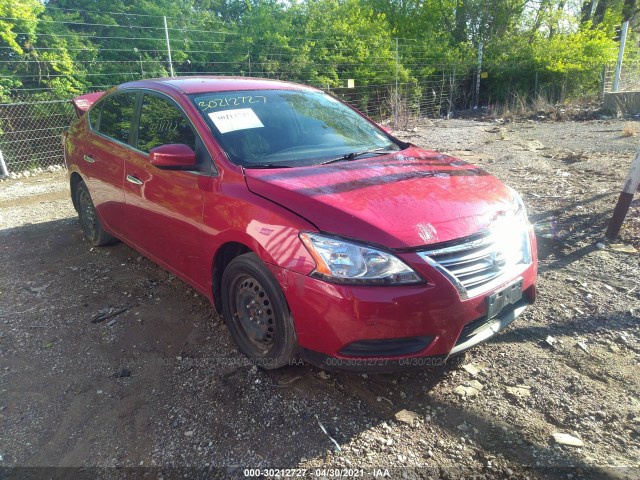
(409, 199)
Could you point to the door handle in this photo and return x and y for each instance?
(88, 158)
(134, 180)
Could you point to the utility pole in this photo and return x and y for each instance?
(478, 76)
(623, 41)
(397, 98)
(166, 35)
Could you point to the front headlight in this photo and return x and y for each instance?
(341, 261)
(511, 234)
(518, 204)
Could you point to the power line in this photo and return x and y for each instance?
(328, 37)
(46, 20)
(104, 13)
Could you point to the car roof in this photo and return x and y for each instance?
(207, 84)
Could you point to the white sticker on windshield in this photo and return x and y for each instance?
(232, 120)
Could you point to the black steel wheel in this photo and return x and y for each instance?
(257, 313)
(89, 220)
(253, 312)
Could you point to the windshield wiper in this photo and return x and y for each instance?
(267, 165)
(355, 155)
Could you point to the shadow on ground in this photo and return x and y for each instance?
(190, 402)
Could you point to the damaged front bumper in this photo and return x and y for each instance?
(472, 334)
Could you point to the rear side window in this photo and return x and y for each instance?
(115, 116)
(161, 123)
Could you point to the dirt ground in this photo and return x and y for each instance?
(158, 383)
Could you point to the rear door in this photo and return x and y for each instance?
(106, 148)
(164, 207)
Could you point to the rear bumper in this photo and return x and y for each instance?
(389, 328)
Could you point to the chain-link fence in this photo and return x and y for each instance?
(69, 51)
(396, 80)
(30, 132)
(629, 77)
(31, 126)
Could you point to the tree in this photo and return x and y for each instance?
(18, 25)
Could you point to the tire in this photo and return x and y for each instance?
(89, 220)
(257, 314)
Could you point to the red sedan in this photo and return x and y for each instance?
(313, 231)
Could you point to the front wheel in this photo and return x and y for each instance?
(257, 313)
(89, 221)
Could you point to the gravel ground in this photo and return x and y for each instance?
(158, 382)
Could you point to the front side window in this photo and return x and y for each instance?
(115, 116)
(162, 123)
(287, 127)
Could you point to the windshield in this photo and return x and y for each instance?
(287, 128)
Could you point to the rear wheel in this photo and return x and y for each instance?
(89, 221)
(257, 313)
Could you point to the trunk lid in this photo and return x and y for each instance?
(82, 103)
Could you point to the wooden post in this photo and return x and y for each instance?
(626, 196)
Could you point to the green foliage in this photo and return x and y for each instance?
(18, 23)
(73, 46)
(558, 67)
(572, 52)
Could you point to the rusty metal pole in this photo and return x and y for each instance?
(626, 196)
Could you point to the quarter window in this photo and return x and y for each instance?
(162, 123)
(94, 116)
(115, 117)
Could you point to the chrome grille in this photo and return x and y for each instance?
(470, 265)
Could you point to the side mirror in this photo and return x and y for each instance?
(175, 156)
